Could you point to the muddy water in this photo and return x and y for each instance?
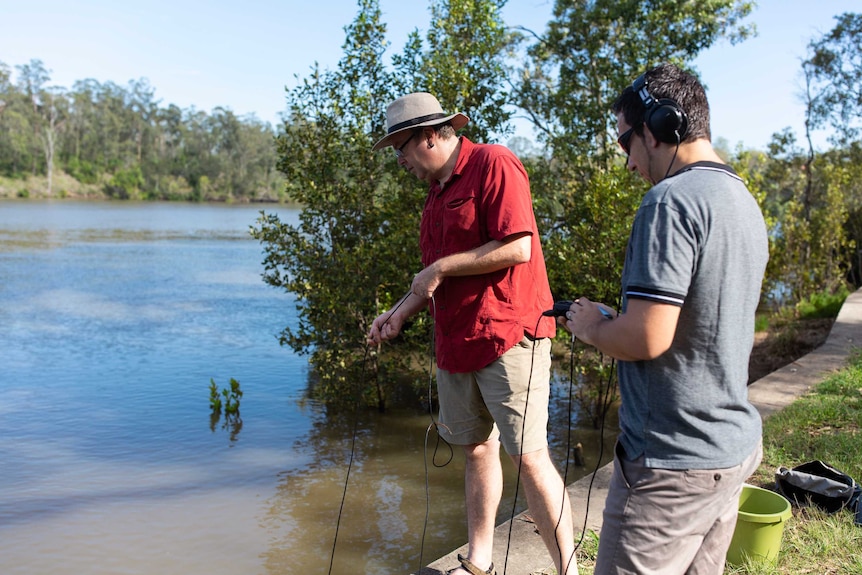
(115, 317)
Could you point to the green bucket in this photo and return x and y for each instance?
(759, 526)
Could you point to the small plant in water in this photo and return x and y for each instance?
(231, 397)
(215, 400)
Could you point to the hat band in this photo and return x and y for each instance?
(415, 121)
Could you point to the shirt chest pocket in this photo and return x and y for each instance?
(460, 222)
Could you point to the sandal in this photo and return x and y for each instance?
(471, 567)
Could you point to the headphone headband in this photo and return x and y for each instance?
(639, 86)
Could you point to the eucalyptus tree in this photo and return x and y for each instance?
(47, 111)
(140, 110)
(259, 178)
(80, 154)
(98, 133)
(245, 152)
(18, 149)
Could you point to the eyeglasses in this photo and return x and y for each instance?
(399, 151)
(625, 139)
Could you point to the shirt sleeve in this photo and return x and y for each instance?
(663, 249)
(506, 204)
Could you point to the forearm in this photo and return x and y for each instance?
(644, 332)
(412, 304)
(616, 338)
(487, 258)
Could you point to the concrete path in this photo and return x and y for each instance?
(527, 554)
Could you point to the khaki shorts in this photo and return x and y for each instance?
(670, 521)
(480, 405)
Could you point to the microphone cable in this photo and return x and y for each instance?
(521, 455)
(433, 425)
(353, 436)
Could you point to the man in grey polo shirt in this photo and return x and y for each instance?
(689, 437)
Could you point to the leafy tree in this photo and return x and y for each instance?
(587, 258)
(753, 167)
(835, 68)
(346, 192)
(849, 161)
(347, 259)
(469, 45)
(584, 199)
(594, 48)
(360, 219)
(46, 110)
(803, 200)
(808, 195)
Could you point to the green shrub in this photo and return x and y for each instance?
(822, 305)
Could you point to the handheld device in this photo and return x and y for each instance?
(562, 306)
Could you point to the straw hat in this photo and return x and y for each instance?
(416, 110)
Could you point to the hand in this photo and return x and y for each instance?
(385, 327)
(583, 317)
(425, 282)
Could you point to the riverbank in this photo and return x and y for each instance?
(66, 187)
(524, 552)
(63, 186)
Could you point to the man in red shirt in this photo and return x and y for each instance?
(486, 285)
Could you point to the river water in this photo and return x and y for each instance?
(114, 319)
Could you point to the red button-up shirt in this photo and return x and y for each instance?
(478, 318)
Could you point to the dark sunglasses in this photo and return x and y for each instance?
(625, 139)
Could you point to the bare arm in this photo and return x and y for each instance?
(489, 257)
(644, 332)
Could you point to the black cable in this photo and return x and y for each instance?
(432, 425)
(521, 455)
(605, 405)
(673, 159)
(349, 466)
(353, 436)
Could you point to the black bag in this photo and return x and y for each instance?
(820, 484)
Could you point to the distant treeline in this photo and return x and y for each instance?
(105, 140)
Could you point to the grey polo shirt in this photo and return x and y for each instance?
(698, 241)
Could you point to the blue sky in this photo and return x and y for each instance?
(241, 55)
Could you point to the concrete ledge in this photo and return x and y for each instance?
(527, 553)
(783, 386)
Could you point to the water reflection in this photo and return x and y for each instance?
(384, 514)
(384, 509)
(115, 318)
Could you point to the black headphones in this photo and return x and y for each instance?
(664, 118)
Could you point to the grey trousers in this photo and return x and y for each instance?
(669, 521)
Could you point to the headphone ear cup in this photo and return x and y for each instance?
(667, 121)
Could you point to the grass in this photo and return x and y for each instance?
(825, 424)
